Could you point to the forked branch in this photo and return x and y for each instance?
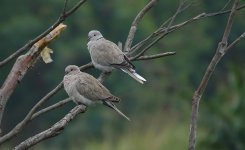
(29, 44)
(221, 50)
(135, 23)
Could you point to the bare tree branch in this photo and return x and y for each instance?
(22, 64)
(149, 46)
(165, 30)
(53, 131)
(28, 117)
(52, 107)
(201, 88)
(161, 31)
(28, 45)
(182, 6)
(229, 23)
(135, 23)
(147, 57)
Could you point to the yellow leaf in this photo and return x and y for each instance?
(45, 54)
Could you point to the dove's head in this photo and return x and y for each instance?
(72, 69)
(94, 35)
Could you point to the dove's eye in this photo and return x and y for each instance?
(94, 34)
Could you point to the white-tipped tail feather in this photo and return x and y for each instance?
(134, 75)
(140, 77)
(111, 105)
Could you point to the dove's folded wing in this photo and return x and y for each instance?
(92, 89)
(107, 53)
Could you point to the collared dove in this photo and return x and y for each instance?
(106, 55)
(85, 89)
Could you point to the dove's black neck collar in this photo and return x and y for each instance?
(99, 38)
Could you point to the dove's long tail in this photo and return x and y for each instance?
(111, 105)
(134, 75)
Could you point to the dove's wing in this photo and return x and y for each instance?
(109, 54)
(126, 64)
(106, 53)
(92, 89)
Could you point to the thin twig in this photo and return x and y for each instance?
(143, 42)
(52, 107)
(165, 22)
(28, 45)
(158, 31)
(161, 30)
(135, 23)
(148, 57)
(179, 9)
(164, 30)
(103, 76)
(65, 7)
(53, 131)
(226, 5)
(202, 86)
(74, 8)
(150, 45)
(86, 66)
(235, 42)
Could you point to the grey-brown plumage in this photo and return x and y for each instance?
(106, 55)
(85, 89)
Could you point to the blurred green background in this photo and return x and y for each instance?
(160, 109)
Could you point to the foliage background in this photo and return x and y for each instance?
(160, 109)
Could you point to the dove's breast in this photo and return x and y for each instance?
(99, 58)
(71, 89)
(69, 84)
